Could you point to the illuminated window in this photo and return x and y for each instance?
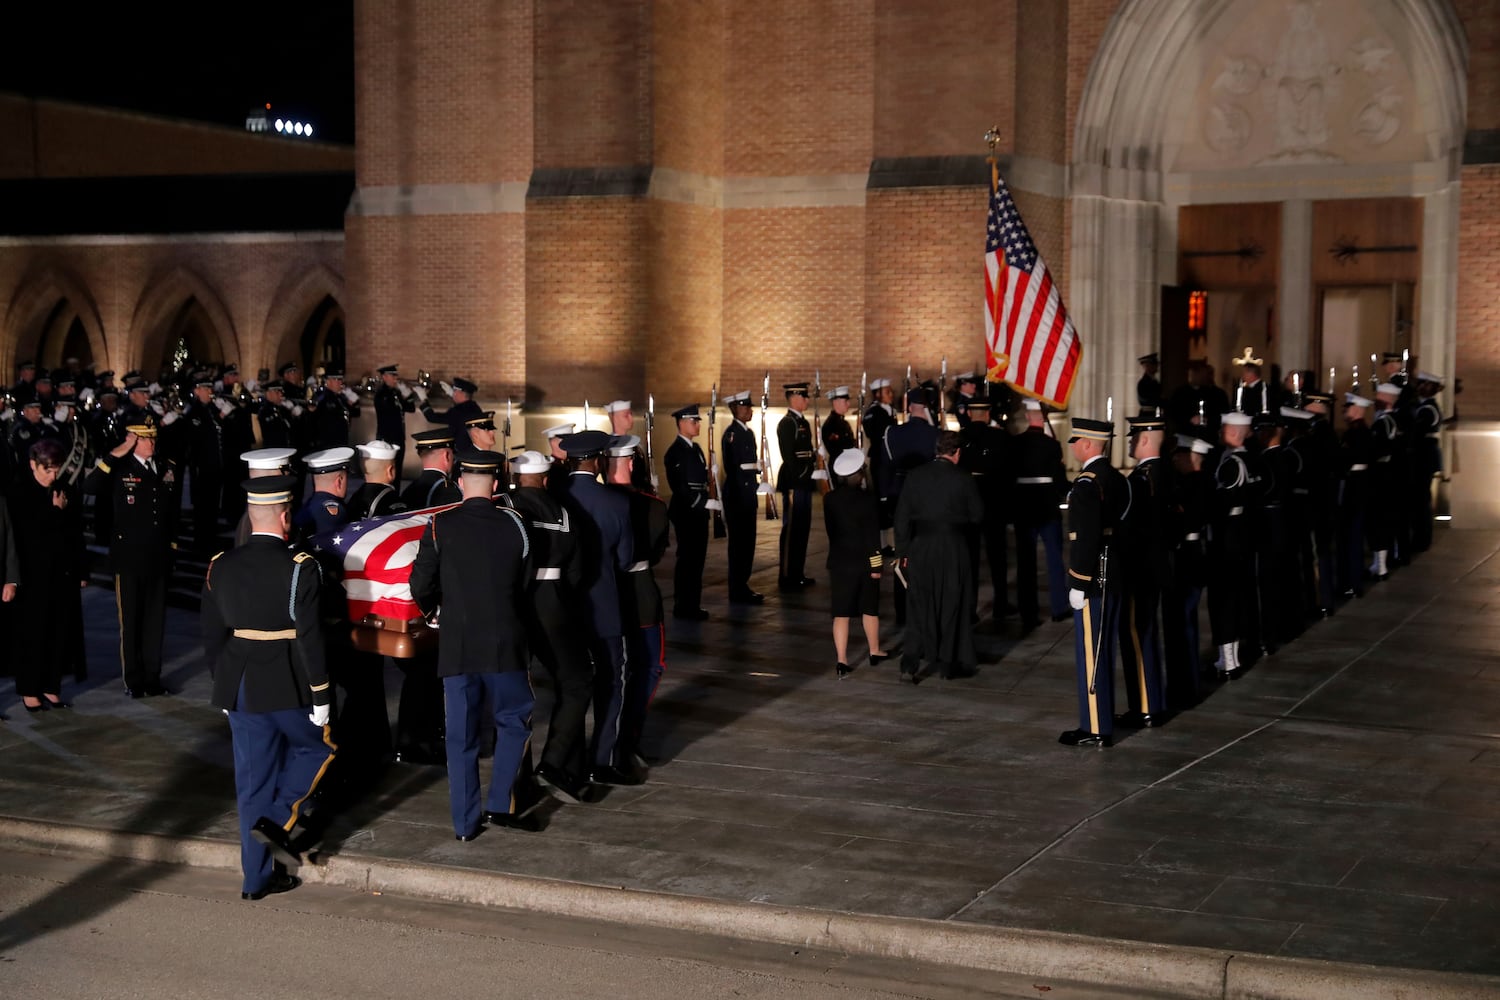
(1198, 311)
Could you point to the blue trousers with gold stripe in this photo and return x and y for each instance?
(796, 521)
(279, 757)
(509, 698)
(1140, 649)
(1094, 633)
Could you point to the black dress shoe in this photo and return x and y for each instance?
(135, 692)
(842, 670)
(910, 677)
(512, 821)
(690, 614)
(615, 776)
(806, 581)
(155, 690)
(1083, 738)
(560, 785)
(1062, 617)
(277, 840)
(470, 836)
(747, 597)
(280, 882)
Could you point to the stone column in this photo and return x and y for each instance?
(1294, 296)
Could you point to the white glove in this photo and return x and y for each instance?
(712, 504)
(8, 415)
(156, 405)
(168, 419)
(822, 451)
(297, 409)
(252, 386)
(154, 388)
(820, 474)
(447, 389)
(86, 395)
(319, 715)
(224, 406)
(60, 414)
(218, 385)
(351, 395)
(404, 390)
(421, 394)
(765, 488)
(714, 470)
(287, 404)
(1075, 599)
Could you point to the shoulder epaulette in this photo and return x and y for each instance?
(216, 555)
(1086, 476)
(299, 557)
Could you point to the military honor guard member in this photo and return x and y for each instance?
(795, 482)
(333, 409)
(965, 394)
(741, 457)
(557, 476)
(878, 418)
(986, 457)
(377, 496)
(271, 423)
(1145, 559)
(262, 463)
(1095, 505)
(621, 424)
(464, 408)
(394, 399)
(1356, 456)
(205, 461)
(646, 630)
(1427, 456)
(1148, 387)
(836, 433)
(1039, 483)
(263, 643)
(1192, 499)
(1321, 463)
(906, 447)
(1386, 508)
(1232, 598)
(939, 510)
(1276, 548)
(473, 565)
(554, 626)
(432, 487)
(851, 517)
(689, 509)
(325, 508)
(607, 540)
(139, 490)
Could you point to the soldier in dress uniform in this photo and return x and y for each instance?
(1148, 393)
(140, 490)
(1321, 463)
(966, 393)
(432, 487)
(554, 628)
(1280, 604)
(24, 389)
(325, 508)
(272, 421)
(332, 410)
(689, 510)
(1096, 503)
(1039, 484)
(645, 626)
(394, 399)
(836, 433)
(557, 475)
(939, 511)
(377, 496)
(76, 441)
(906, 446)
(1356, 457)
(1232, 598)
(795, 482)
(205, 461)
(473, 563)
(607, 541)
(31, 427)
(1427, 456)
(985, 457)
(293, 383)
(262, 463)
(855, 560)
(621, 423)
(878, 418)
(1192, 498)
(464, 408)
(741, 457)
(262, 639)
(238, 407)
(1391, 474)
(1146, 565)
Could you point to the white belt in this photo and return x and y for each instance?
(1034, 480)
(549, 573)
(1191, 536)
(264, 635)
(750, 465)
(1358, 468)
(637, 567)
(1236, 511)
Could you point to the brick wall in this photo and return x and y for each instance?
(1481, 20)
(1479, 293)
(593, 83)
(1041, 82)
(685, 301)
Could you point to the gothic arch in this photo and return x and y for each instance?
(300, 293)
(167, 292)
(36, 296)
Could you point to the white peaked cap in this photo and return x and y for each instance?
(263, 459)
(850, 461)
(560, 430)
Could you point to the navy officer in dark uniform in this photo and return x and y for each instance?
(377, 497)
(741, 458)
(473, 564)
(795, 481)
(432, 487)
(263, 643)
(464, 409)
(688, 508)
(1095, 505)
(139, 489)
(333, 409)
(879, 417)
(394, 399)
(557, 475)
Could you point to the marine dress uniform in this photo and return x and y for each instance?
(263, 643)
(473, 563)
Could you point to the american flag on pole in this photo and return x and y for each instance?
(377, 555)
(1029, 339)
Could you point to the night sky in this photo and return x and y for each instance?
(207, 61)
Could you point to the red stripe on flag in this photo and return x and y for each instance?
(1034, 318)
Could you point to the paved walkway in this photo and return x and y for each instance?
(1338, 802)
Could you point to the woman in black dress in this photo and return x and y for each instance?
(47, 519)
(852, 516)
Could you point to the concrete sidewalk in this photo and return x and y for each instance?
(1337, 803)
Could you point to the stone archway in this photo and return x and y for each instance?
(47, 297)
(1126, 183)
(301, 294)
(172, 297)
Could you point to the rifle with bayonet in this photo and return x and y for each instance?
(905, 389)
(859, 418)
(651, 426)
(766, 486)
(820, 469)
(713, 467)
(942, 393)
